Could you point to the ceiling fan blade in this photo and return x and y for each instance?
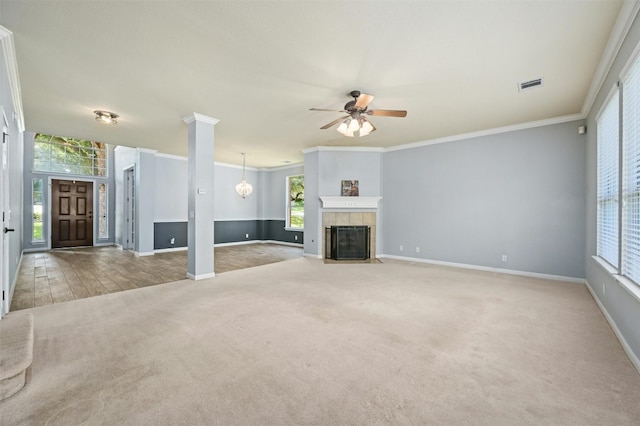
(363, 100)
(388, 112)
(324, 109)
(334, 122)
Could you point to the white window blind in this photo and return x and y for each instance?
(631, 174)
(608, 182)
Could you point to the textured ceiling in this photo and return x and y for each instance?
(259, 66)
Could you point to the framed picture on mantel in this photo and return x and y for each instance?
(350, 188)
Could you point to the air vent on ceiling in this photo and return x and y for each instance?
(529, 84)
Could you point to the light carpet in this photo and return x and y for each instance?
(301, 342)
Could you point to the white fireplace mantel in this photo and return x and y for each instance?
(350, 202)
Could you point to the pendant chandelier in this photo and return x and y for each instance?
(244, 188)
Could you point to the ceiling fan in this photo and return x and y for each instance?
(356, 123)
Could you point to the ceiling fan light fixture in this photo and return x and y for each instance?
(106, 117)
(342, 128)
(353, 126)
(365, 128)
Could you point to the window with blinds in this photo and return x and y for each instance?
(631, 173)
(608, 182)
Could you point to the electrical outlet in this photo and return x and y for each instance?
(504, 257)
(417, 249)
(295, 237)
(173, 241)
(401, 248)
(246, 235)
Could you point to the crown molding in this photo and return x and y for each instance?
(172, 157)
(194, 116)
(343, 148)
(233, 166)
(278, 168)
(147, 150)
(626, 17)
(11, 63)
(489, 132)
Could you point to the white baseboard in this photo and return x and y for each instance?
(282, 243)
(168, 250)
(239, 243)
(200, 277)
(487, 269)
(104, 244)
(15, 279)
(142, 254)
(313, 256)
(236, 243)
(625, 346)
(35, 249)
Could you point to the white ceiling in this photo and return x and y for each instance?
(258, 66)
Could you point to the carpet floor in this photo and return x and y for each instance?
(303, 342)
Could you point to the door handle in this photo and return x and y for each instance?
(8, 230)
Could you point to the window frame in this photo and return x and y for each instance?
(42, 239)
(36, 168)
(103, 211)
(613, 101)
(627, 273)
(288, 202)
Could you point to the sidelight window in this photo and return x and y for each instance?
(37, 213)
(103, 228)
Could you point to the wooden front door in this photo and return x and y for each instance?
(71, 213)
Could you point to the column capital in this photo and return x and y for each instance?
(194, 116)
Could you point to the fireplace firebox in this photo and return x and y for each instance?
(348, 242)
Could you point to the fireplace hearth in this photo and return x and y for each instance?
(348, 242)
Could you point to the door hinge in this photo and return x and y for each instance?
(3, 295)
(4, 137)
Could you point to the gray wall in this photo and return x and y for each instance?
(124, 158)
(519, 194)
(325, 169)
(620, 306)
(228, 204)
(234, 217)
(275, 191)
(171, 178)
(145, 200)
(15, 164)
(312, 220)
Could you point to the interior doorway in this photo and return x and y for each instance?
(129, 209)
(71, 213)
(6, 217)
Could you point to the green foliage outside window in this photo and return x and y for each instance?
(60, 154)
(296, 201)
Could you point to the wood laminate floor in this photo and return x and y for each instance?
(62, 275)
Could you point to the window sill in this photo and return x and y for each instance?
(632, 288)
(287, 228)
